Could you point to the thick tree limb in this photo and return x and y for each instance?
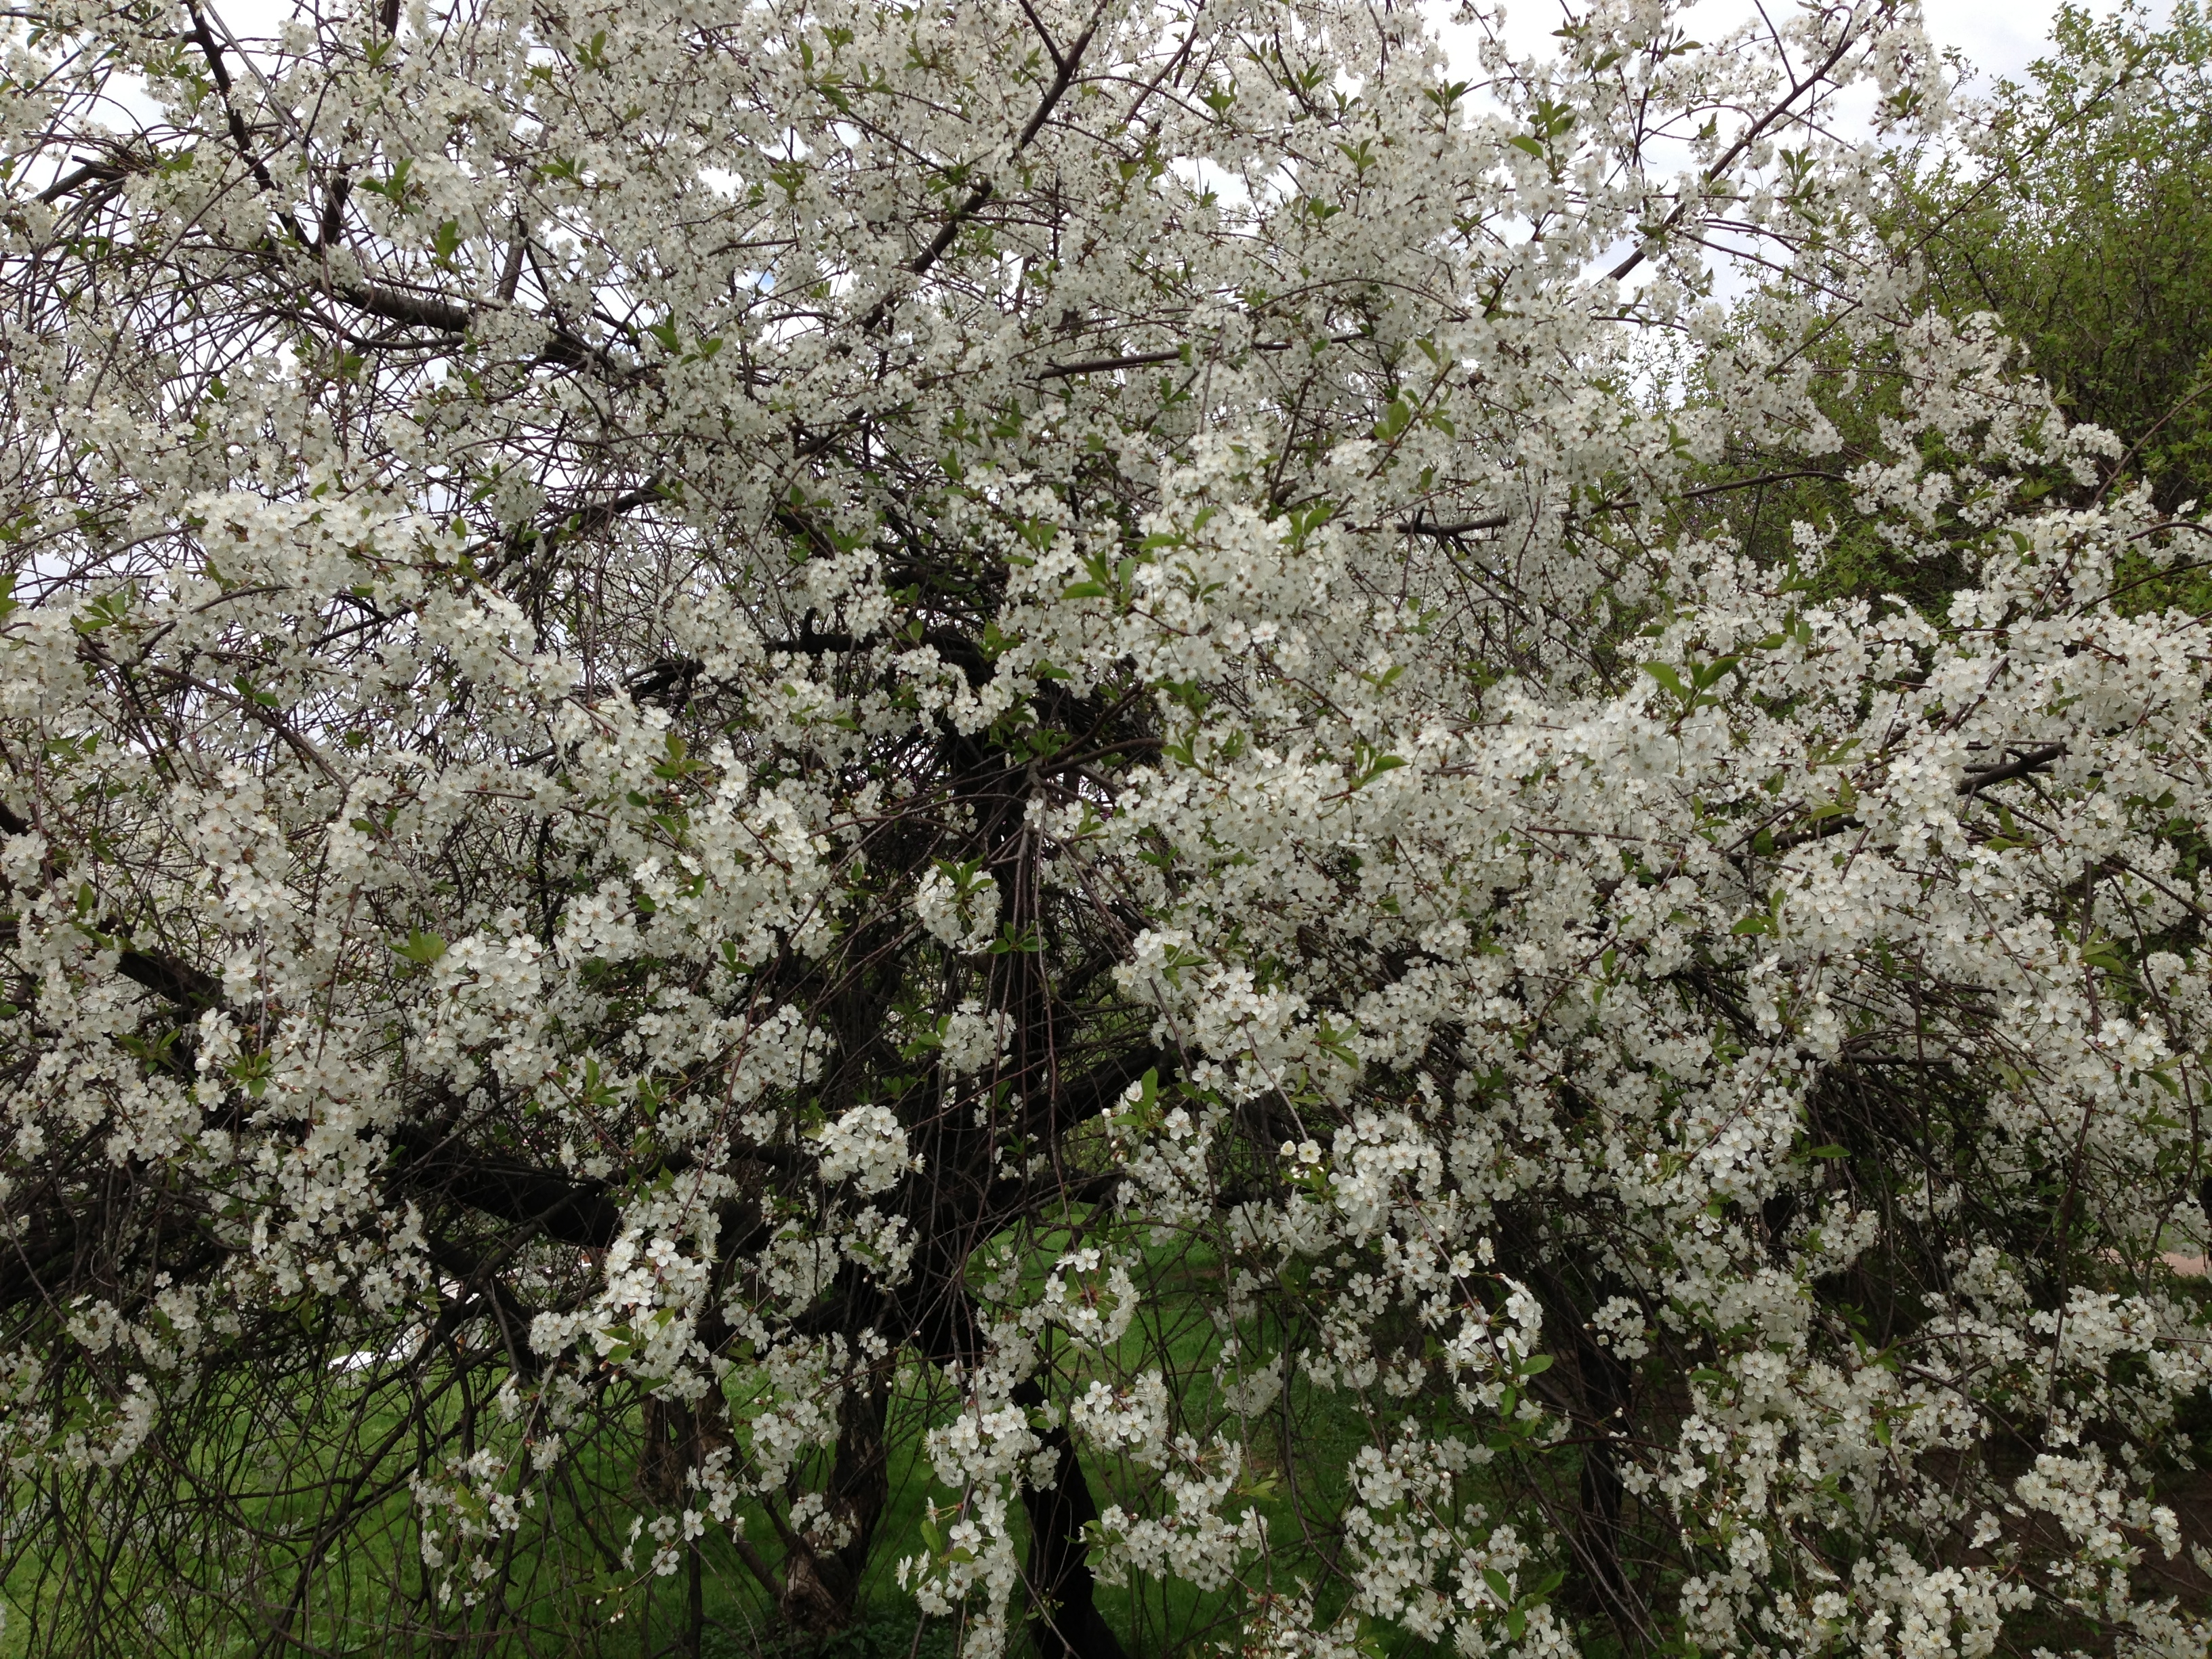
(2024, 763)
(104, 173)
(411, 310)
(1172, 354)
(1418, 526)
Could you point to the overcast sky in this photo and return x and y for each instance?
(1999, 37)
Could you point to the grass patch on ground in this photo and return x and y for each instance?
(210, 1579)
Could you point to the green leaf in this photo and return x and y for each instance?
(421, 947)
(104, 611)
(1375, 768)
(1396, 419)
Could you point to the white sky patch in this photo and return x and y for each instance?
(1997, 39)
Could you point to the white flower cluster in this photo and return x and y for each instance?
(1089, 1297)
(1193, 1540)
(1132, 1420)
(865, 1146)
(956, 909)
(465, 1508)
(984, 1455)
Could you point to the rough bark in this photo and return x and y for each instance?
(821, 1586)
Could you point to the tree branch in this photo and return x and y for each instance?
(1418, 526)
(2025, 762)
(1750, 136)
(920, 264)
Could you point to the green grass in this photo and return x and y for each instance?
(369, 1593)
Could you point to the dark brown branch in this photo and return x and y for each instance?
(1753, 483)
(569, 1211)
(176, 981)
(1097, 1089)
(164, 975)
(414, 310)
(393, 305)
(241, 136)
(453, 321)
(479, 1279)
(1148, 359)
(1418, 526)
(1107, 365)
(1820, 831)
(104, 172)
(2025, 762)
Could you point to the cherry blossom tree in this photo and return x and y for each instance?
(746, 747)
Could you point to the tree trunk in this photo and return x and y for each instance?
(821, 1587)
(1064, 1621)
(1606, 1391)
